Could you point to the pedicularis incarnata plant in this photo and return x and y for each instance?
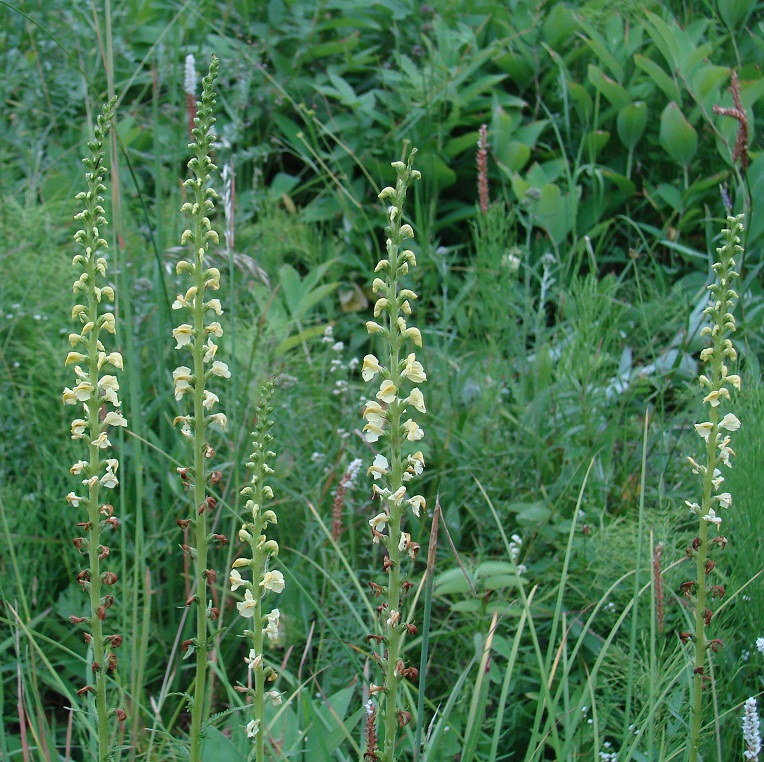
(263, 579)
(715, 432)
(96, 391)
(198, 338)
(400, 373)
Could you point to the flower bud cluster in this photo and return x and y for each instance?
(388, 421)
(259, 578)
(95, 393)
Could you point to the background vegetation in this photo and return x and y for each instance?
(561, 334)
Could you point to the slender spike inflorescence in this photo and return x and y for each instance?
(482, 168)
(385, 421)
(189, 87)
(262, 579)
(198, 338)
(715, 432)
(751, 733)
(96, 391)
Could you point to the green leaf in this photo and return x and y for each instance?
(531, 513)
(677, 136)
(595, 141)
(599, 47)
(735, 12)
(512, 156)
(451, 581)
(559, 25)
(218, 748)
(615, 93)
(631, 123)
(582, 101)
(659, 76)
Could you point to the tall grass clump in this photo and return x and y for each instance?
(715, 432)
(384, 421)
(198, 338)
(97, 392)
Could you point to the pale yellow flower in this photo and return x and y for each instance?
(379, 521)
(413, 431)
(114, 418)
(417, 503)
(712, 518)
(414, 370)
(387, 391)
(379, 467)
(272, 580)
(417, 400)
(272, 628)
(236, 580)
(220, 369)
(729, 422)
(370, 367)
(247, 606)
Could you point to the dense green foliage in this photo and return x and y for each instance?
(555, 322)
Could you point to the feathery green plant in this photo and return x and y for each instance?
(387, 423)
(263, 579)
(198, 337)
(97, 392)
(715, 433)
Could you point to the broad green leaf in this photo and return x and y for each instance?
(532, 513)
(734, 12)
(595, 141)
(631, 123)
(600, 49)
(659, 76)
(494, 568)
(217, 748)
(616, 94)
(513, 156)
(582, 101)
(677, 136)
(559, 25)
(451, 581)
